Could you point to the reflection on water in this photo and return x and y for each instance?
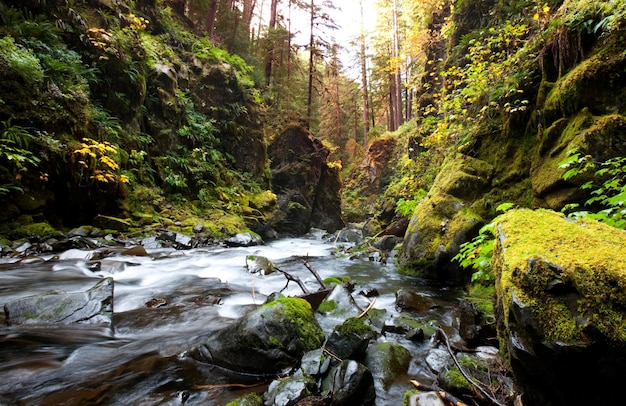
(193, 293)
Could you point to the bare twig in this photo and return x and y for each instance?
(479, 389)
(360, 316)
(314, 272)
(297, 280)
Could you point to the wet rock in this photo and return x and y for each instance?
(260, 265)
(137, 251)
(177, 240)
(339, 303)
(289, 391)
(315, 363)
(92, 306)
(410, 301)
(410, 327)
(388, 361)
(243, 240)
(350, 339)
(424, 399)
(349, 383)
(266, 340)
(387, 243)
(439, 360)
(151, 243)
(350, 234)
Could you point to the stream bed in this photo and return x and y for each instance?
(165, 303)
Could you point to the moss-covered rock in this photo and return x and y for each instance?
(602, 137)
(561, 295)
(265, 340)
(444, 220)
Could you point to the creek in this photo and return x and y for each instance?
(138, 361)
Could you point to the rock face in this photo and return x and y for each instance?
(561, 290)
(306, 186)
(445, 219)
(92, 306)
(266, 340)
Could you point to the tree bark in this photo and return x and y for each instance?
(309, 103)
(269, 62)
(210, 20)
(366, 109)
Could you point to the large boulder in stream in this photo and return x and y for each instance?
(445, 219)
(306, 185)
(92, 306)
(267, 340)
(561, 306)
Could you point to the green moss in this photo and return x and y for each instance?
(483, 297)
(250, 399)
(41, 229)
(355, 326)
(572, 91)
(586, 255)
(299, 311)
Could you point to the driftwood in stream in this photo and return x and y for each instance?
(481, 392)
(264, 266)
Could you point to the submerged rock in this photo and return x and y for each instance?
(92, 306)
(266, 340)
(561, 290)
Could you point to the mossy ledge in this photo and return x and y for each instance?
(570, 277)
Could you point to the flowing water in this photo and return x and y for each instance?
(138, 361)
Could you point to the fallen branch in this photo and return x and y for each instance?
(297, 280)
(314, 272)
(360, 316)
(482, 393)
(446, 397)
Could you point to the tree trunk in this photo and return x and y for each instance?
(210, 21)
(366, 109)
(397, 77)
(270, 52)
(309, 103)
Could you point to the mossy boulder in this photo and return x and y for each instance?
(266, 340)
(445, 219)
(601, 137)
(561, 305)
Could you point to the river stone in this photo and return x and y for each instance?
(243, 240)
(411, 301)
(387, 361)
(266, 340)
(315, 363)
(349, 383)
(287, 392)
(561, 315)
(350, 339)
(92, 306)
(339, 303)
(424, 399)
